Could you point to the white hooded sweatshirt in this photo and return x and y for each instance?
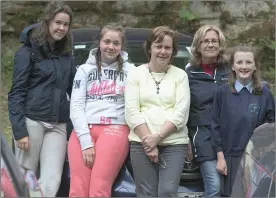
(97, 100)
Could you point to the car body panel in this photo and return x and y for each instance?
(256, 172)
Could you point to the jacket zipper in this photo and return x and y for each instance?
(194, 140)
(215, 73)
(200, 73)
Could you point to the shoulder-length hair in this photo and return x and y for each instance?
(200, 33)
(256, 81)
(40, 34)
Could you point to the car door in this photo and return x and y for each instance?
(16, 182)
(256, 172)
(10, 170)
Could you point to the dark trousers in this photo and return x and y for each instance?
(158, 180)
(228, 181)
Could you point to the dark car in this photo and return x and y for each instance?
(256, 173)
(83, 41)
(87, 38)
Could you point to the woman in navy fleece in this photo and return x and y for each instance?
(207, 72)
(238, 108)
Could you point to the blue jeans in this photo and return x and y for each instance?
(211, 178)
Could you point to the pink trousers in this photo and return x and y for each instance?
(111, 147)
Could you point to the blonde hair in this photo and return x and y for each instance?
(120, 60)
(158, 35)
(200, 33)
(256, 81)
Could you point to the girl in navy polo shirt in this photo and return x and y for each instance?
(238, 108)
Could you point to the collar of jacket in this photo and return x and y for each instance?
(195, 71)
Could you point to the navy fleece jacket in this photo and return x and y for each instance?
(236, 115)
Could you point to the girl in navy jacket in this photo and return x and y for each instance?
(38, 101)
(238, 108)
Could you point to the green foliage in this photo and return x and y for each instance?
(7, 61)
(189, 19)
(185, 12)
(268, 62)
(9, 48)
(268, 43)
(267, 54)
(269, 74)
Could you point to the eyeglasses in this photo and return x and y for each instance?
(207, 41)
(162, 162)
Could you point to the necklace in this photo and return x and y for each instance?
(157, 83)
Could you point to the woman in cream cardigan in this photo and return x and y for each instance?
(157, 101)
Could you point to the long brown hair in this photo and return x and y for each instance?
(40, 34)
(256, 81)
(200, 33)
(119, 59)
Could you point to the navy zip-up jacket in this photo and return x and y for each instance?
(203, 87)
(40, 86)
(236, 115)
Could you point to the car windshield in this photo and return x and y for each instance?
(256, 172)
(135, 52)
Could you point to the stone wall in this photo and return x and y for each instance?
(233, 16)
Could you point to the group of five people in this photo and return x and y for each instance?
(151, 111)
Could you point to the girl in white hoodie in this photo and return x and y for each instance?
(99, 142)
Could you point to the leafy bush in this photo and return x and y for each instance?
(7, 56)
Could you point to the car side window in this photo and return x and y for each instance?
(136, 54)
(81, 52)
(182, 57)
